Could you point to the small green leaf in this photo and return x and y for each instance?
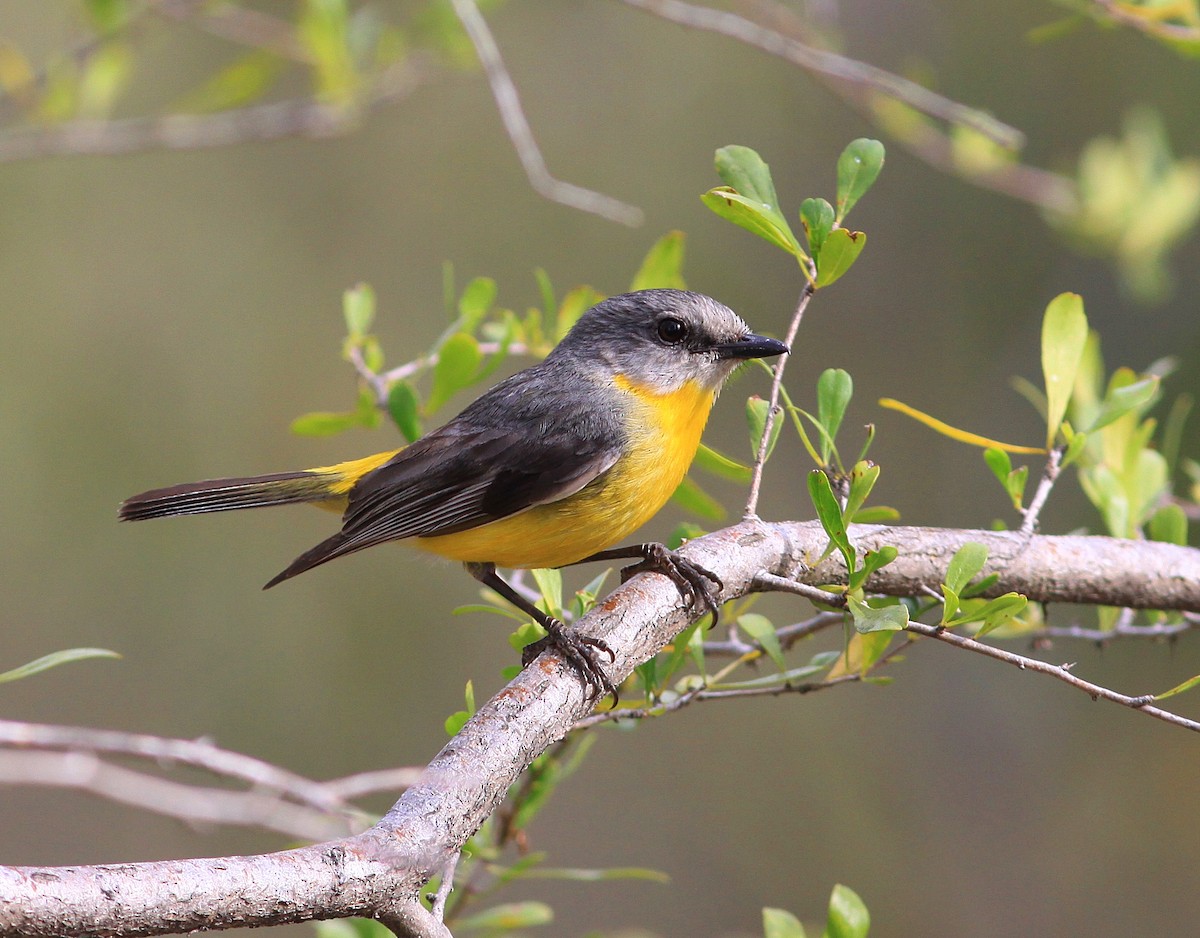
(404, 407)
(456, 721)
(848, 916)
(324, 423)
(779, 923)
(550, 586)
(965, 565)
(458, 359)
(508, 917)
(1064, 333)
(999, 462)
(577, 302)
(857, 169)
(1076, 442)
(829, 512)
(838, 254)
(1121, 400)
(878, 559)
(1169, 525)
(1179, 688)
(997, 612)
(816, 215)
(662, 266)
(762, 631)
(756, 417)
(236, 85)
(867, 618)
(694, 499)
(53, 660)
(835, 387)
(862, 480)
(721, 465)
(754, 216)
(876, 514)
(477, 299)
(950, 604)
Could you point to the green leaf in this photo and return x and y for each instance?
(829, 512)
(508, 917)
(999, 462)
(754, 216)
(816, 215)
(53, 660)
(572, 874)
(997, 612)
(694, 499)
(857, 169)
(963, 436)
(242, 82)
(1179, 688)
(838, 254)
(756, 417)
(876, 514)
(721, 465)
(577, 302)
(477, 299)
(878, 559)
(951, 602)
(404, 407)
(325, 423)
(1064, 333)
(779, 923)
(1169, 525)
(1121, 400)
(761, 629)
(835, 387)
(848, 916)
(550, 586)
(458, 359)
(662, 266)
(965, 565)
(862, 480)
(868, 618)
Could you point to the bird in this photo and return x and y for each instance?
(548, 468)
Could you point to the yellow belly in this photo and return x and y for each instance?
(664, 440)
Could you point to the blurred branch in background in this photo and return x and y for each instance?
(277, 799)
(356, 61)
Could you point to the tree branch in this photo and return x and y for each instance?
(381, 871)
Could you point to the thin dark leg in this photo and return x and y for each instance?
(579, 651)
(691, 579)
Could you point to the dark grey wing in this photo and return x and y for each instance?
(460, 477)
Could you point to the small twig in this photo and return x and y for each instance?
(1049, 477)
(508, 102)
(445, 887)
(1143, 704)
(788, 636)
(1122, 14)
(351, 787)
(1156, 632)
(760, 458)
(769, 582)
(831, 65)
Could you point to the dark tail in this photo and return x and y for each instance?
(197, 498)
(336, 546)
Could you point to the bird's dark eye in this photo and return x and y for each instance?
(672, 330)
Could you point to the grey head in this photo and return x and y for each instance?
(662, 340)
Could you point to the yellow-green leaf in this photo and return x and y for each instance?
(963, 436)
(1064, 333)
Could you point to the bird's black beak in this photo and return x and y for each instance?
(750, 346)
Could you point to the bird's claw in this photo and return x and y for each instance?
(579, 652)
(690, 578)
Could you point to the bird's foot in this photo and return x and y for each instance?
(579, 652)
(690, 578)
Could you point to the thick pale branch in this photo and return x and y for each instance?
(381, 871)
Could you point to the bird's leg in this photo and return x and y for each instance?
(579, 651)
(691, 579)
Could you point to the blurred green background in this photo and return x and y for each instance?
(167, 314)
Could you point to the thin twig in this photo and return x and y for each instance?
(1049, 477)
(788, 635)
(760, 459)
(508, 102)
(445, 887)
(1143, 21)
(1142, 704)
(769, 582)
(831, 65)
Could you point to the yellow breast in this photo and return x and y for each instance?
(664, 432)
